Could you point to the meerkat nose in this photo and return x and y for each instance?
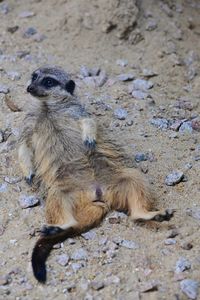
(30, 88)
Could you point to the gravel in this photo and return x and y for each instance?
(182, 265)
(80, 254)
(4, 89)
(62, 259)
(120, 113)
(190, 288)
(142, 84)
(160, 123)
(28, 201)
(174, 178)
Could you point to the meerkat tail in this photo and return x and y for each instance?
(44, 245)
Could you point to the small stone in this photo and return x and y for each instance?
(176, 125)
(142, 84)
(122, 62)
(103, 241)
(149, 286)
(186, 127)
(139, 94)
(173, 233)
(12, 180)
(97, 285)
(129, 244)
(71, 241)
(90, 235)
(151, 25)
(84, 71)
(101, 79)
(4, 89)
(76, 266)
(194, 212)
(182, 265)
(160, 123)
(148, 73)
(170, 242)
(38, 37)
(3, 187)
(196, 124)
(186, 246)
(28, 201)
(12, 29)
(174, 178)
(125, 77)
(1, 136)
(141, 157)
(4, 8)
(112, 280)
(120, 113)
(62, 259)
(80, 254)
(5, 279)
(190, 288)
(26, 14)
(30, 31)
(13, 75)
(89, 81)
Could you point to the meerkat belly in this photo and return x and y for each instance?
(56, 151)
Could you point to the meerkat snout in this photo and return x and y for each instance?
(51, 83)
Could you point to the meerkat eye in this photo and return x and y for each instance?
(34, 76)
(49, 82)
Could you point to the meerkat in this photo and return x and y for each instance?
(82, 169)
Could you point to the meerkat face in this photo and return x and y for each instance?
(51, 83)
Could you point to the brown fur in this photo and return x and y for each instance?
(83, 185)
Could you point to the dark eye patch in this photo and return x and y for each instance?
(34, 76)
(49, 82)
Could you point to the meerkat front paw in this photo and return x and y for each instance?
(29, 178)
(90, 144)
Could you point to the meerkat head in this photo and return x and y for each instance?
(48, 83)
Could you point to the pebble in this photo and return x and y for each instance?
(103, 241)
(97, 285)
(86, 72)
(149, 286)
(76, 266)
(80, 254)
(120, 113)
(90, 235)
(13, 75)
(129, 244)
(182, 265)
(170, 242)
(151, 25)
(122, 62)
(12, 180)
(3, 187)
(141, 157)
(142, 84)
(173, 233)
(190, 288)
(4, 8)
(139, 94)
(101, 79)
(30, 31)
(38, 37)
(125, 77)
(174, 178)
(28, 201)
(194, 212)
(160, 123)
(4, 89)
(149, 73)
(196, 124)
(186, 127)
(5, 279)
(12, 29)
(62, 259)
(27, 14)
(186, 246)
(1, 136)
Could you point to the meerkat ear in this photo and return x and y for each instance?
(70, 86)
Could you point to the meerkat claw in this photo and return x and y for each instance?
(90, 144)
(29, 179)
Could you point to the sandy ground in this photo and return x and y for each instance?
(122, 260)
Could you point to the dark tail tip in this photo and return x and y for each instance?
(40, 253)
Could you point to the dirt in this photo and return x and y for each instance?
(162, 36)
